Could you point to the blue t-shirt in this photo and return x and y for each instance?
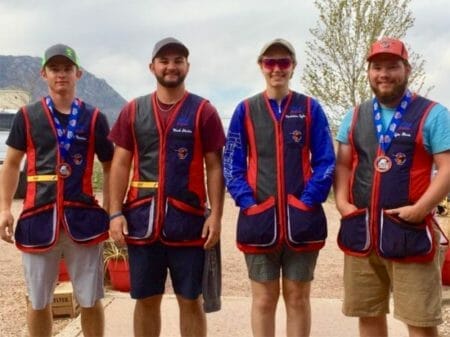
(436, 129)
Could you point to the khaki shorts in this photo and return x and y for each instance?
(85, 267)
(416, 289)
(296, 266)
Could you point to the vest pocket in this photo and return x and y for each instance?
(306, 225)
(401, 239)
(139, 215)
(354, 233)
(256, 225)
(85, 222)
(183, 222)
(36, 227)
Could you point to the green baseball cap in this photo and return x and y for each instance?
(60, 50)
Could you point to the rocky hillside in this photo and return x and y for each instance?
(22, 72)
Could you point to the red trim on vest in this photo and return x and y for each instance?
(252, 170)
(196, 182)
(421, 163)
(30, 197)
(87, 177)
(133, 191)
(307, 171)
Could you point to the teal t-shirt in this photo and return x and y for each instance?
(436, 129)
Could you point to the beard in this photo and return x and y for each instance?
(393, 96)
(172, 83)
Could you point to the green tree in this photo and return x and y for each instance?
(336, 68)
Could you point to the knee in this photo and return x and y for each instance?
(297, 300)
(265, 303)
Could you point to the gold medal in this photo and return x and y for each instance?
(382, 164)
(63, 170)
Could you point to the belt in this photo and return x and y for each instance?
(144, 184)
(42, 177)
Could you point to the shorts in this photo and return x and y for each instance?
(84, 265)
(296, 266)
(416, 290)
(149, 265)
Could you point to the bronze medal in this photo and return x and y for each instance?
(382, 164)
(63, 170)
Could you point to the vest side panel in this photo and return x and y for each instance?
(181, 155)
(408, 158)
(264, 133)
(45, 151)
(147, 140)
(296, 145)
(366, 145)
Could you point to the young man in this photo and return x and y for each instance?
(168, 136)
(60, 136)
(278, 166)
(383, 190)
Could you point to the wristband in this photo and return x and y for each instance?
(115, 215)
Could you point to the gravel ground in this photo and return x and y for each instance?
(327, 283)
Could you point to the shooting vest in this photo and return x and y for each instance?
(53, 200)
(373, 191)
(278, 170)
(167, 198)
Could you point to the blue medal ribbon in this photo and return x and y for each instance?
(385, 139)
(65, 137)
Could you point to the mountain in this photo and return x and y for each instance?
(23, 72)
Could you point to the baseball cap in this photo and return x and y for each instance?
(280, 42)
(388, 45)
(60, 50)
(169, 41)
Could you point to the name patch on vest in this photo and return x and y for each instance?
(181, 130)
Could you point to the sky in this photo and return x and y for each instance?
(114, 40)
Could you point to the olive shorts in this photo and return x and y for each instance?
(295, 266)
(415, 287)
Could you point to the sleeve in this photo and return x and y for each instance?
(121, 133)
(436, 129)
(323, 159)
(17, 137)
(344, 128)
(235, 160)
(104, 148)
(213, 136)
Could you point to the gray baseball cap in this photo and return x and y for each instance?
(280, 42)
(60, 50)
(169, 41)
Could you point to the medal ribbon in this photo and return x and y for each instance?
(385, 139)
(65, 138)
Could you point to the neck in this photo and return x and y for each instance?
(170, 95)
(62, 102)
(277, 93)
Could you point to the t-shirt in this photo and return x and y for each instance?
(103, 147)
(436, 129)
(212, 133)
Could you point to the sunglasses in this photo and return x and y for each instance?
(282, 63)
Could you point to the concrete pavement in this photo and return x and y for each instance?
(232, 320)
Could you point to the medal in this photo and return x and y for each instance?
(64, 137)
(63, 170)
(382, 164)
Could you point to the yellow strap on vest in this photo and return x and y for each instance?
(42, 177)
(144, 184)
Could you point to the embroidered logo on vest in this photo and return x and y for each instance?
(182, 153)
(297, 136)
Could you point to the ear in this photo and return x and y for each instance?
(43, 74)
(79, 73)
(151, 67)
